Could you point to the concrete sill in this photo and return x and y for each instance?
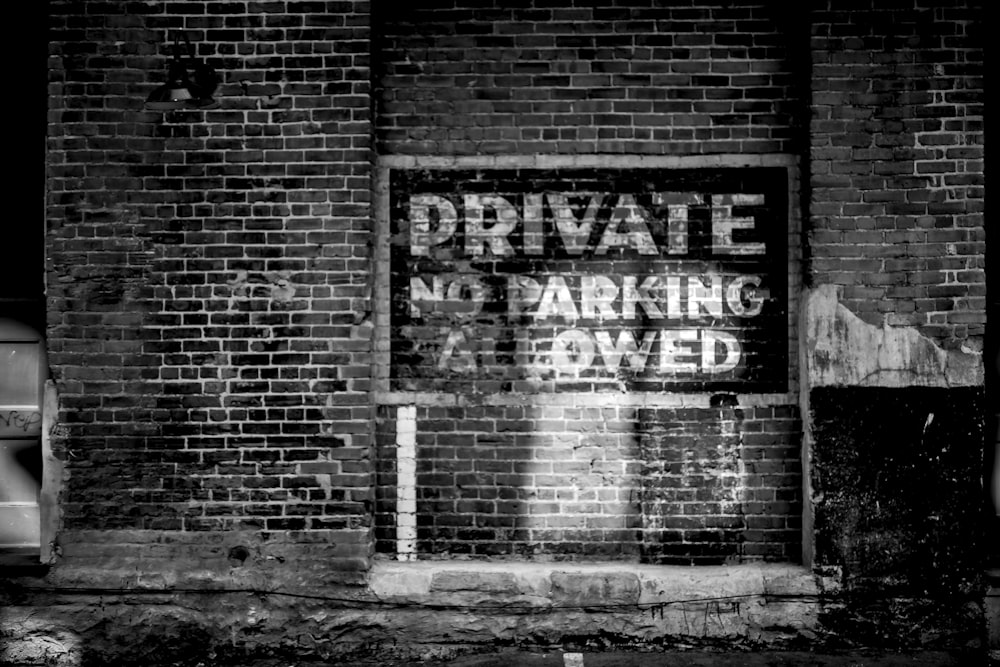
(583, 584)
(502, 601)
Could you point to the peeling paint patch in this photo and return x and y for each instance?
(273, 285)
(841, 349)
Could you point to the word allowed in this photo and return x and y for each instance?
(573, 351)
(490, 221)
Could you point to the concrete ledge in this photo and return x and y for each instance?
(154, 560)
(640, 602)
(585, 583)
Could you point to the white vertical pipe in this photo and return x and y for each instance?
(406, 482)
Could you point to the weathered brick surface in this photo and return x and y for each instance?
(210, 271)
(207, 269)
(664, 485)
(211, 276)
(897, 163)
(578, 479)
(720, 484)
(572, 77)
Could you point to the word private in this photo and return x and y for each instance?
(491, 220)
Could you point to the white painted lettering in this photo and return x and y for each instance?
(457, 354)
(466, 294)
(627, 212)
(632, 294)
(422, 236)
(743, 296)
(709, 359)
(572, 352)
(522, 292)
(534, 234)
(490, 219)
(422, 297)
(596, 296)
(723, 224)
(673, 289)
(699, 296)
(626, 347)
(574, 233)
(670, 349)
(557, 301)
(477, 235)
(677, 204)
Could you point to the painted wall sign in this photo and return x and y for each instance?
(589, 279)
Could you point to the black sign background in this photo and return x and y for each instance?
(492, 350)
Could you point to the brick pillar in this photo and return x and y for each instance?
(208, 285)
(893, 367)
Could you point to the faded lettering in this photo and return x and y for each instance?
(601, 299)
(636, 234)
(723, 224)
(491, 221)
(511, 279)
(494, 237)
(433, 219)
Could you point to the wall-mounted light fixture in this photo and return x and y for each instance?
(190, 83)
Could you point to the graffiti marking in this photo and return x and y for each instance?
(20, 421)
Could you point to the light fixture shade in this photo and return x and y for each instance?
(179, 92)
(167, 96)
(174, 93)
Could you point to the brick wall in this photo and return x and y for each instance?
(580, 476)
(897, 164)
(895, 466)
(208, 272)
(222, 351)
(569, 77)
(600, 481)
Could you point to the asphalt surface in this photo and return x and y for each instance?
(720, 659)
(694, 658)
